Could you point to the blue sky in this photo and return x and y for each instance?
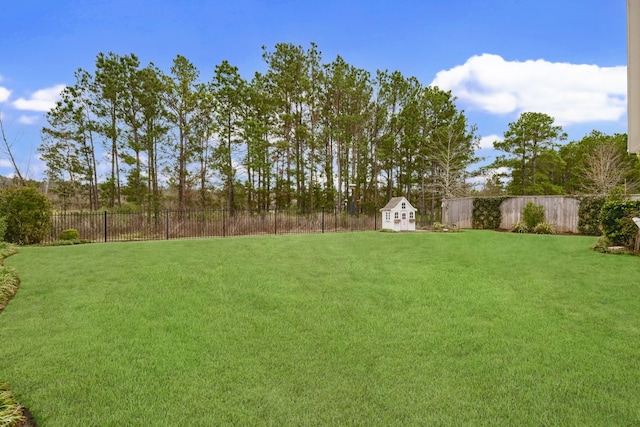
(565, 58)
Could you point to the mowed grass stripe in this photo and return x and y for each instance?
(477, 328)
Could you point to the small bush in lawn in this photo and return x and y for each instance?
(69, 234)
(544, 228)
(438, 226)
(520, 227)
(532, 215)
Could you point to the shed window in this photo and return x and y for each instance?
(410, 215)
(387, 216)
(404, 205)
(396, 216)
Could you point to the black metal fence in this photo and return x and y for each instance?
(172, 224)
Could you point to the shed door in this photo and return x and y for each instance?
(404, 222)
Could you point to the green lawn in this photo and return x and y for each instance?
(471, 328)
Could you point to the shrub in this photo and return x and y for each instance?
(532, 215)
(3, 228)
(589, 215)
(69, 234)
(544, 228)
(486, 213)
(617, 224)
(602, 244)
(28, 214)
(520, 227)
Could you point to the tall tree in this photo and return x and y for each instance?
(181, 102)
(106, 104)
(523, 142)
(68, 148)
(230, 94)
(288, 82)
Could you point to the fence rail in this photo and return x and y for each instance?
(172, 224)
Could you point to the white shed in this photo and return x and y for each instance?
(399, 215)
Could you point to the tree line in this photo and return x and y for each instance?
(534, 162)
(304, 134)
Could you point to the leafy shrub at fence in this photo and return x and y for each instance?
(617, 223)
(69, 234)
(532, 215)
(589, 215)
(486, 213)
(544, 228)
(520, 227)
(27, 213)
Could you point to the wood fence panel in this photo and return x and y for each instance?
(458, 212)
(561, 211)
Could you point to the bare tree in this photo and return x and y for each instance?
(603, 169)
(6, 149)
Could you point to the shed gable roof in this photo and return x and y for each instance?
(395, 201)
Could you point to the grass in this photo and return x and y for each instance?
(472, 328)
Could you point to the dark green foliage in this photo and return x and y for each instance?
(69, 234)
(28, 214)
(589, 215)
(532, 215)
(3, 228)
(617, 224)
(486, 213)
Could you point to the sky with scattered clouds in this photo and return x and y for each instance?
(498, 57)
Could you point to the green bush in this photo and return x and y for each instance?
(486, 213)
(617, 224)
(520, 227)
(28, 214)
(69, 234)
(544, 228)
(532, 215)
(3, 228)
(589, 215)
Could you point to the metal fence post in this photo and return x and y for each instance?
(166, 223)
(375, 218)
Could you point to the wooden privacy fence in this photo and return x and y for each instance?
(561, 211)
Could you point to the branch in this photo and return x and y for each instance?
(7, 150)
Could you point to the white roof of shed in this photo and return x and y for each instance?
(395, 201)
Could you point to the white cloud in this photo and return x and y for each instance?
(28, 120)
(41, 100)
(487, 141)
(570, 93)
(4, 94)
